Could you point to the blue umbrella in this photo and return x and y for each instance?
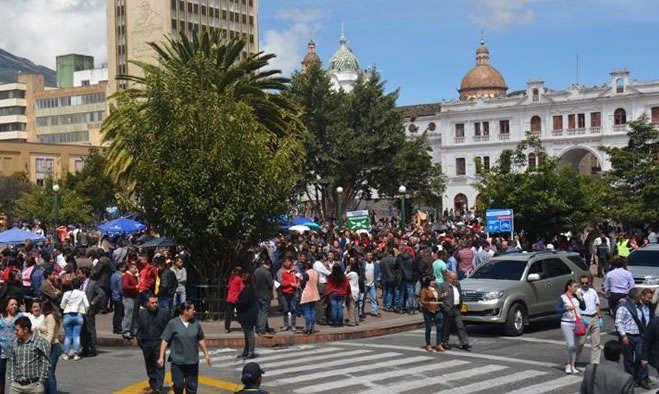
(122, 226)
(17, 236)
(302, 221)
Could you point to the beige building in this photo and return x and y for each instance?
(41, 161)
(13, 107)
(132, 24)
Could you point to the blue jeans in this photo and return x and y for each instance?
(51, 385)
(632, 359)
(288, 304)
(262, 319)
(373, 296)
(166, 303)
(336, 303)
(428, 318)
(407, 294)
(390, 296)
(179, 298)
(309, 310)
(72, 327)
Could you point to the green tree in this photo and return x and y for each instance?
(214, 154)
(548, 199)
(12, 188)
(633, 181)
(92, 183)
(39, 204)
(356, 141)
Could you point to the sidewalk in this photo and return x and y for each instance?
(387, 323)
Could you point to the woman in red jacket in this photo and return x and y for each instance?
(235, 286)
(337, 289)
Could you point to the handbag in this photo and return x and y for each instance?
(579, 325)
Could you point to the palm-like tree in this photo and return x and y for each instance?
(243, 79)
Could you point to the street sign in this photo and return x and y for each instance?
(358, 220)
(500, 221)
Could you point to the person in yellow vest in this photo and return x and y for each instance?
(622, 246)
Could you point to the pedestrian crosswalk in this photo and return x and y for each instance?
(370, 369)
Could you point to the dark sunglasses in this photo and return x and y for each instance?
(585, 283)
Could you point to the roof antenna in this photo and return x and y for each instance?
(482, 38)
(577, 69)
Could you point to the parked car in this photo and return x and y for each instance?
(516, 288)
(643, 263)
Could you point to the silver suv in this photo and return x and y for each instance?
(515, 288)
(643, 263)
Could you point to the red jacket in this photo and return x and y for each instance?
(148, 276)
(235, 287)
(342, 290)
(129, 285)
(288, 278)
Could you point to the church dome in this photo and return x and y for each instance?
(311, 56)
(343, 59)
(482, 80)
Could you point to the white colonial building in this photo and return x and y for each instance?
(343, 67)
(572, 123)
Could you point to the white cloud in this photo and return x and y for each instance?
(290, 42)
(500, 14)
(42, 29)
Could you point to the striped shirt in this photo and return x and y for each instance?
(29, 359)
(625, 323)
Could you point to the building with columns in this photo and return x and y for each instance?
(487, 119)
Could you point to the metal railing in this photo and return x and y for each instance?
(209, 300)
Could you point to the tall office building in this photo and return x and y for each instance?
(132, 24)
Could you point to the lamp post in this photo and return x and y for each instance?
(339, 215)
(56, 203)
(402, 190)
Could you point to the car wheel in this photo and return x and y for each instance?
(514, 325)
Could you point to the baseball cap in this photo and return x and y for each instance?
(251, 371)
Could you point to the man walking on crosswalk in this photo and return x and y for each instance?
(451, 311)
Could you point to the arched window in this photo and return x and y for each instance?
(532, 161)
(620, 85)
(541, 157)
(536, 124)
(536, 94)
(460, 203)
(619, 116)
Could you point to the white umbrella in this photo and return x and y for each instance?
(300, 229)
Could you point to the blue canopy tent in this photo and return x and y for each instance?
(15, 236)
(302, 221)
(121, 226)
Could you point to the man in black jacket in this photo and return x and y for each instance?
(408, 267)
(450, 307)
(263, 284)
(150, 326)
(101, 273)
(390, 282)
(168, 285)
(96, 297)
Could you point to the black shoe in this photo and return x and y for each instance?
(241, 356)
(251, 356)
(446, 346)
(643, 385)
(466, 348)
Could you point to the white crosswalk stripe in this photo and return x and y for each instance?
(549, 385)
(279, 355)
(306, 360)
(269, 352)
(436, 379)
(352, 369)
(496, 382)
(362, 362)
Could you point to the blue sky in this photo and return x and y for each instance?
(424, 47)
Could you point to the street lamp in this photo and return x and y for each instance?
(402, 190)
(56, 203)
(339, 191)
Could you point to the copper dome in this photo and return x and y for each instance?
(482, 80)
(311, 56)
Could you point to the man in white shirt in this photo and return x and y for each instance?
(321, 305)
(592, 314)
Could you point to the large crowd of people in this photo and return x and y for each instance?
(327, 278)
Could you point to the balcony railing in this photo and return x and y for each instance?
(481, 138)
(557, 132)
(571, 131)
(504, 136)
(581, 130)
(459, 140)
(595, 130)
(620, 128)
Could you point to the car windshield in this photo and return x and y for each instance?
(644, 258)
(501, 269)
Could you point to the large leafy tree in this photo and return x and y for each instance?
(12, 188)
(38, 203)
(356, 141)
(633, 180)
(548, 199)
(214, 151)
(93, 184)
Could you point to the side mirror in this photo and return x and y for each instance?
(533, 277)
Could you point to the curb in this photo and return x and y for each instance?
(326, 335)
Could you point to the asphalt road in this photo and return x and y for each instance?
(532, 363)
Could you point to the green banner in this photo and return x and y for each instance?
(358, 223)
